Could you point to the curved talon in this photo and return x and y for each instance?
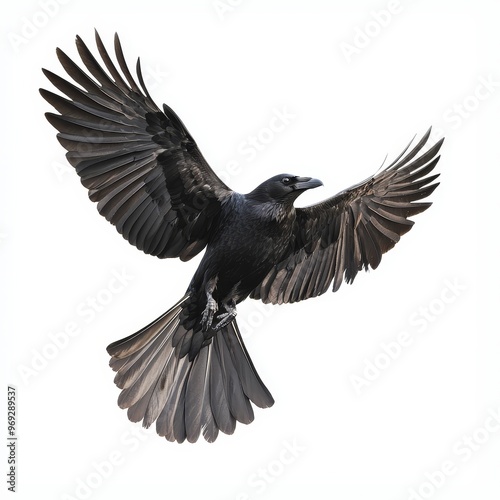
(227, 317)
(208, 314)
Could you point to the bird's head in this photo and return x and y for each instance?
(283, 188)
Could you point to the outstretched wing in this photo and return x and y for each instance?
(140, 164)
(350, 231)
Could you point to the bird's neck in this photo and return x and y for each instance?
(273, 211)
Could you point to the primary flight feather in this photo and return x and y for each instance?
(189, 370)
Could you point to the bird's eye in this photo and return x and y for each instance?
(286, 180)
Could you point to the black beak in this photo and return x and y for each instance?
(304, 183)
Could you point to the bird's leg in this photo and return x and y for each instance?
(227, 317)
(211, 307)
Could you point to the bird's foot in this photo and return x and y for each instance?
(208, 314)
(226, 318)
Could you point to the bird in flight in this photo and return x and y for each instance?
(189, 370)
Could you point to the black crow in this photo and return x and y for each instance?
(189, 370)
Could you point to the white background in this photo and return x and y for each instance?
(353, 99)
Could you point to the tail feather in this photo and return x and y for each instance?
(139, 362)
(232, 385)
(219, 403)
(128, 345)
(186, 397)
(251, 383)
(169, 423)
(195, 413)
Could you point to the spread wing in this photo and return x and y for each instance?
(349, 232)
(140, 164)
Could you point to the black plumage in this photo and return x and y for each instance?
(189, 370)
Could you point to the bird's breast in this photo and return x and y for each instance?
(247, 244)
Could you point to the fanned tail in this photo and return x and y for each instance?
(186, 397)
